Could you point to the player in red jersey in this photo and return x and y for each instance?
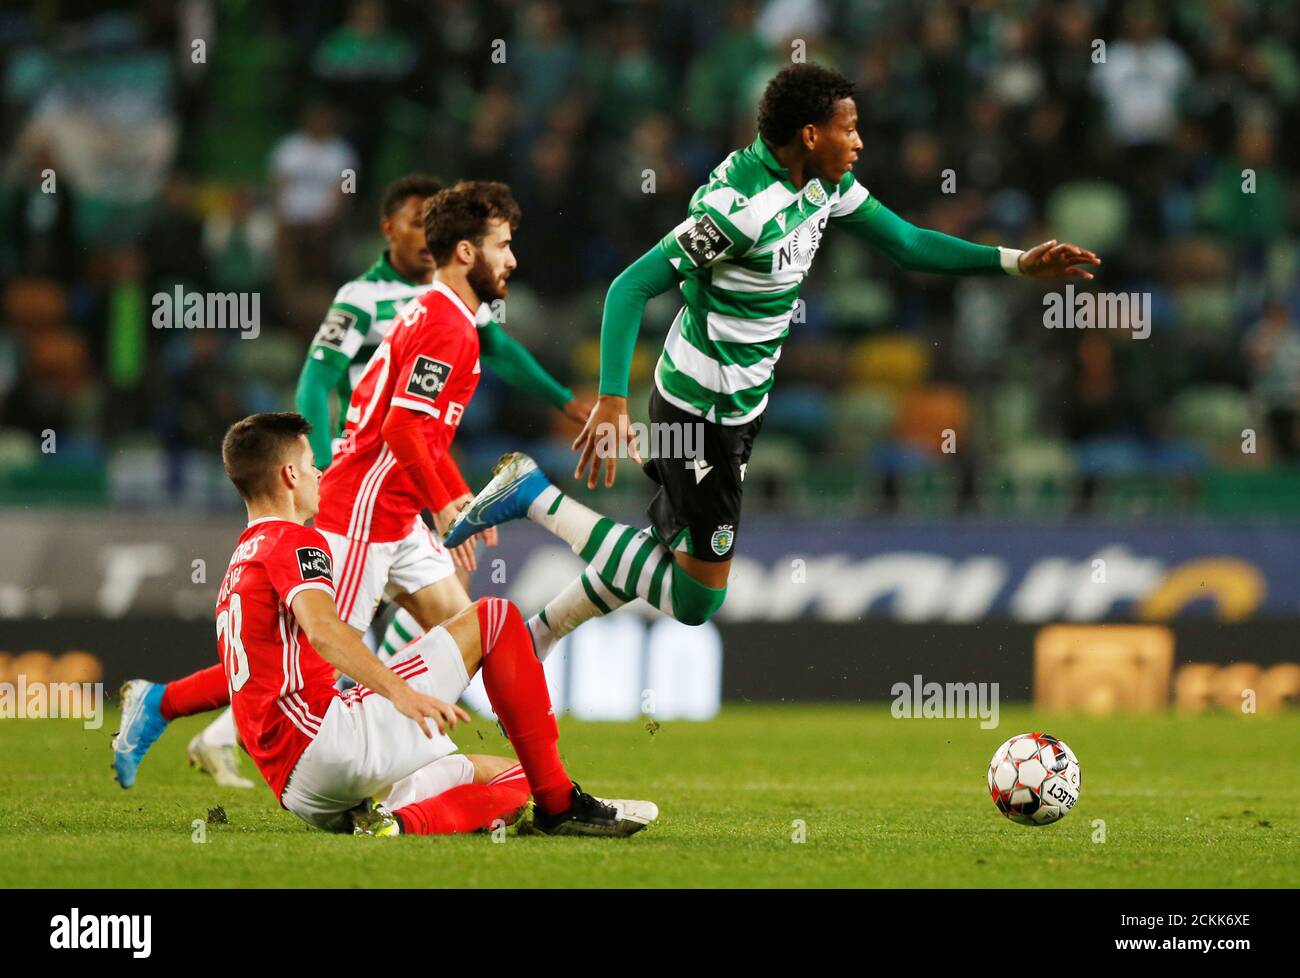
(394, 461)
(404, 414)
(329, 756)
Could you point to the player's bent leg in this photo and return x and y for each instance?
(624, 562)
(698, 588)
(433, 604)
(687, 589)
(516, 687)
(363, 746)
(489, 767)
(469, 808)
(491, 634)
(711, 573)
(460, 793)
(423, 581)
(433, 779)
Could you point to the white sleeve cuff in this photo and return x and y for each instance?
(1011, 260)
(416, 405)
(325, 586)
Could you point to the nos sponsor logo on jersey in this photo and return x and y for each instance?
(800, 246)
(704, 241)
(334, 330)
(314, 563)
(428, 378)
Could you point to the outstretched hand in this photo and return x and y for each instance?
(598, 444)
(1053, 259)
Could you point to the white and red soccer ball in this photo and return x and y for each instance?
(1034, 779)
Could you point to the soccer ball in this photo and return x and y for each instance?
(1034, 779)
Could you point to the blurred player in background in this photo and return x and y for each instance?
(396, 441)
(330, 756)
(740, 259)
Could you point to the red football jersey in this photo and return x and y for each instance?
(428, 362)
(280, 687)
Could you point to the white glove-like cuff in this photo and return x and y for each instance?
(1011, 260)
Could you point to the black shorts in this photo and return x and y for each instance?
(699, 496)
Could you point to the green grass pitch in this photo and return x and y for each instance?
(1206, 801)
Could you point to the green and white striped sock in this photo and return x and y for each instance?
(629, 562)
(401, 632)
(585, 598)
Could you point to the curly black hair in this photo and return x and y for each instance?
(462, 213)
(799, 95)
(404, 188)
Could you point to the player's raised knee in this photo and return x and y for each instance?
(695, 603)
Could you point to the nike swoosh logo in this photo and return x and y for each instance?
(472, 517)
(136, 706)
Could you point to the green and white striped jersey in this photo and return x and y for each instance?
(359, 318)
(744, 252)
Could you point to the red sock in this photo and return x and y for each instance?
(465, 808)
(198, 692)
(516, 687)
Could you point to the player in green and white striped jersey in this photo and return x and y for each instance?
(740, 258)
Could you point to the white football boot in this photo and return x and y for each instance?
(220, 762)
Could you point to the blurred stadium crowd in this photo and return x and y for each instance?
(222, 173)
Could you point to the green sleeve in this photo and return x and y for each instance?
(508, 359)
(650, 275)
(918, 249)
(319, 376)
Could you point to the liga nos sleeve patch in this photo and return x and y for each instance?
(314, 564)
(704, 241)
(428, 378)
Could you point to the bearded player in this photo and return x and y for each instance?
(739, 259)
(403, 414)
(356, 322)
(329, 756)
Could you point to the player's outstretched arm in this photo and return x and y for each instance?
(650, 275)
(923, 250)
(512, 362)
(341, 646)
(312, 399)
